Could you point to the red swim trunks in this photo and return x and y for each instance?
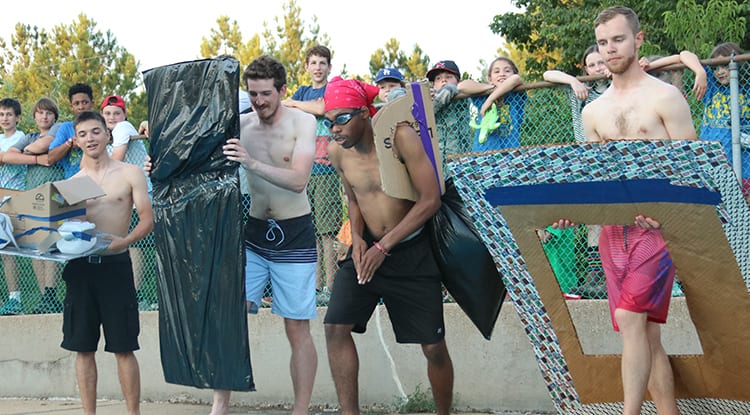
(639, 271)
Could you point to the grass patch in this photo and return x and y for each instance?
(416, 402)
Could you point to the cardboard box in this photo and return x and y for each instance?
(37, 213)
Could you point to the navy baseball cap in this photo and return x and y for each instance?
(389, 73)
(443, 66)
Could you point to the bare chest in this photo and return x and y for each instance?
(275, 148)
(363, 176)
(639, 120)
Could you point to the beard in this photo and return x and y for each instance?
(621, 65)
(266, 112)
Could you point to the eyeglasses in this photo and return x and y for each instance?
(341, 119)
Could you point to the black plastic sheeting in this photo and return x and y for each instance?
(468, 270)
(193, 110)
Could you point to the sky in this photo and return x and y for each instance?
(160, 33)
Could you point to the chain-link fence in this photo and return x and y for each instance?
(536, 114)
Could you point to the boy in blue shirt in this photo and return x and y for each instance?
(62, 149)
(324, 186)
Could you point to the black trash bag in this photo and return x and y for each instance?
(193, 110)
(469, 273)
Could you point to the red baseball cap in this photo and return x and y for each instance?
(115, 100)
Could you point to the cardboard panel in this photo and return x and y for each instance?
(78, 189)
(415, 108)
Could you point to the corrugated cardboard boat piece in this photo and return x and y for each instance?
(414, 108)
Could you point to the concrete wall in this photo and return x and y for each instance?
(500, 374)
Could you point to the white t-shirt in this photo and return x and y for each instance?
(8, 142)
(12, 176)
(122, 132)
(136, 151)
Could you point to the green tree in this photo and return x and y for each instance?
(287, 41)
(226, 39)
(417, 64)
(520, 58)
(746, 39)
(390, 55)
(36, 63)
(566, 27)
(413, 66)
(699, 28)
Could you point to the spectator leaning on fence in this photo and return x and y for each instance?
(38, 172)
(11, 177)
(324, 189)
(674, 77)
(452, 113)
(717, 113)
(510, 106)
(581, 94)
(63, 149)
(390, 83)
(27, 152)
(123, 148)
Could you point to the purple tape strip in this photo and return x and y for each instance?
(419, 114)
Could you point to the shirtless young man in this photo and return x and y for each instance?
(100, 290)
(390, 256)
(276, 148)
(638, 268)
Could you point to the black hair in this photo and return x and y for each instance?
(11, 103)
(80, 88)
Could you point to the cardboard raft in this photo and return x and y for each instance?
(414, 108)
(513, 193)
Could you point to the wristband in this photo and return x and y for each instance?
(380, 248)
(36, 159)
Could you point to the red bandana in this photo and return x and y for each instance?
(349, 93)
